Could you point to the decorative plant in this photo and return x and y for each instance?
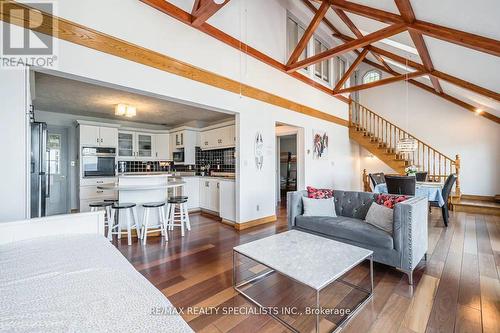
(411, 170)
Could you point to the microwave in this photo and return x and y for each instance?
(178, 156)
(98, 162)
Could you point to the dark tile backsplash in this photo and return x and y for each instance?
(220, 160)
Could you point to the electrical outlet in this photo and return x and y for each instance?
(258, 207)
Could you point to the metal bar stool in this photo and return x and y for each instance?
(106, 206)
(182, 216)
(130, 209)
(160, 207)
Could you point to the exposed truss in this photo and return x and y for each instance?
(203, 10)
(405, 21)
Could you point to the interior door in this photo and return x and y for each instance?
(57, 187)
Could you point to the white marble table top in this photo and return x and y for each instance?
(116, 187)
(309, 259)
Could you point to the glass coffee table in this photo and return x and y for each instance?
(309, 260)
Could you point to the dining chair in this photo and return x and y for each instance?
(377, 178)
(421, 176)
(401, 184)
(445, 192)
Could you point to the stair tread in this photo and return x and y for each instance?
(478, 203)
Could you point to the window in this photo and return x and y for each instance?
(321, 69)
(371, 76)
(295, 33)
(341, 68)
(54, 147)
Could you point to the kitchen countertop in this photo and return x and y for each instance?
(231, 179)
(139, 174)
(116, 187)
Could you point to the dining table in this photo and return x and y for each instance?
(430, 190)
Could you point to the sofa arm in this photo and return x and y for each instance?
(410, 231)
(294, 206)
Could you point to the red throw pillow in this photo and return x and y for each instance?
(390, 200)
(319, 193)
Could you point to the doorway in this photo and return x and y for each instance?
(289, 164)
(58, 182)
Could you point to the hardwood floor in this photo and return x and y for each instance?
(457, 290)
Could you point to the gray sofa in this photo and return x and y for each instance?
(404, 249)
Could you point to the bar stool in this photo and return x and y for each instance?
(160, 207)
(182, 217)
(131, 211)
(106, 206)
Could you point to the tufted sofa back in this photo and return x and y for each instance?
(353, 204)
(347, 203)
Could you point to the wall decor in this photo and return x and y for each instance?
(259, 151)
(320, 144)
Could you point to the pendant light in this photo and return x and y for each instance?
(407, 145)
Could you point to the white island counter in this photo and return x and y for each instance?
(140, 189)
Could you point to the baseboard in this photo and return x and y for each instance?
(253, 223)
(227, 222)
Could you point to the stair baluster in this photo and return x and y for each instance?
(380, 136)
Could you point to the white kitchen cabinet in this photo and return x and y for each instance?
(218, 138)
(162, 147)
(90, 193)
(137, 146)
(185, 140)
(209, 194)
(192, 191)
(227, 203)
(97, 136)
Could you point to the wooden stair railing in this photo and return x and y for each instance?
(381, 137)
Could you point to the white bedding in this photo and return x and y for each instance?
(77, 283)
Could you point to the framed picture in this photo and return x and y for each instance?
(320, 144)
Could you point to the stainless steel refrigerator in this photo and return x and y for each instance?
(40, 185)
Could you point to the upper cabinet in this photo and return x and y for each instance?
(143, 146)
(223, 137)
(186, 141)
(98, 136)
(162, 147)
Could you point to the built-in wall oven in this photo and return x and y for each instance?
(98, 162)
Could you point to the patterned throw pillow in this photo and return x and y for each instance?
(390, 200)
(319, 193)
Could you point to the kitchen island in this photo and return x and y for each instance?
(142, 188)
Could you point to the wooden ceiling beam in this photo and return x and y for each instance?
(378, 83)
(203, 10)
(350, 24)
(475, 42)
(443, 95)
(462, 38)
(349, 46)
(408, 15)
(316, 20)
(351, 69)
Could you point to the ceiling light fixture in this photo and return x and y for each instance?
(478, 112)
(219, 2)
(125, 110)
(131, 111)
(120, 109)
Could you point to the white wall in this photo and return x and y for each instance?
(448, 128)
(161, 33)
(13, 143)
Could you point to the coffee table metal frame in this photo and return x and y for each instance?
(340, 325)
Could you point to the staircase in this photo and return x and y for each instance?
(380, 137)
